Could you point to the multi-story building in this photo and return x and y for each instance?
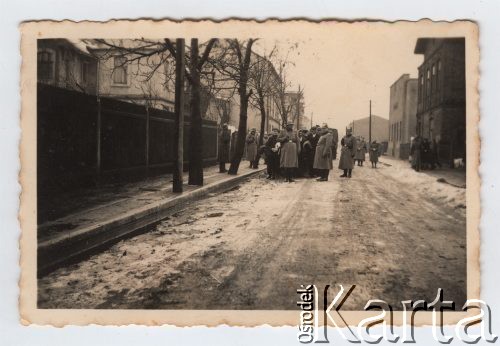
(441, 95)
(402, 116)
(123, 76)
(109, 69)
(66, 64)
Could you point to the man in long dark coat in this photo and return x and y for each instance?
(416, 151)
(314, 142)
(223, 153)
(306, 155)
(374, 153)
(272, 155)
(346, 162)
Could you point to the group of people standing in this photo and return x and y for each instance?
(310, 153)
(424, 154)
(362, 149)
(304, 153)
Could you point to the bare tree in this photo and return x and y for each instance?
(195, 64)
(150, 56)
(233, 64)
(283, 104)
(265, 81)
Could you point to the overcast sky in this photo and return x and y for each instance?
(341, 72)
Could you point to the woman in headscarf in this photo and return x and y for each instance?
(290, 148)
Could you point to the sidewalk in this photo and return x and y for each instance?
(454, 177)
(103, 215)
(444, 184)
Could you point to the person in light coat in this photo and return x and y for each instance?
(347, 152)
(360, 151)
(323, 155)
(290, 148)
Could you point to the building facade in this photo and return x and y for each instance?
(145, 82)
(380, 128)
(402, 116)
(66, 64)
(441, 96)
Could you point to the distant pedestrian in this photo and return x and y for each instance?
(323, 155)
(223, 152)
(360, 151)
(426, 153)
(416, 151)
(374, 153)
(251, 147)
(289, 151)
(346, 162)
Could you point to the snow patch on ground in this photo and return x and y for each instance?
(426, 184)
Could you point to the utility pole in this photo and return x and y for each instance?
(179, 116)
(370, 126)
(312, 116)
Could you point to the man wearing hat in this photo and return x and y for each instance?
(347, 152)
(272, 155)
(290, 148)
(223, 153)
(251, 147)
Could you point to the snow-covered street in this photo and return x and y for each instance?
(253, 246)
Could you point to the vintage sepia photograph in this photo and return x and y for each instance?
(224, 169)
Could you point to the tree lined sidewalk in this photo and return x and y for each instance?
(94, 205)
(116, 215)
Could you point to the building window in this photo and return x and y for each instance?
(120, 70)
(45, 68)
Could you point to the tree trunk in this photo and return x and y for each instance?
(196, 135)
(262, 130)
(242, 132)
(179, 117)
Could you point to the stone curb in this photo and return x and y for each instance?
(73, 246)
